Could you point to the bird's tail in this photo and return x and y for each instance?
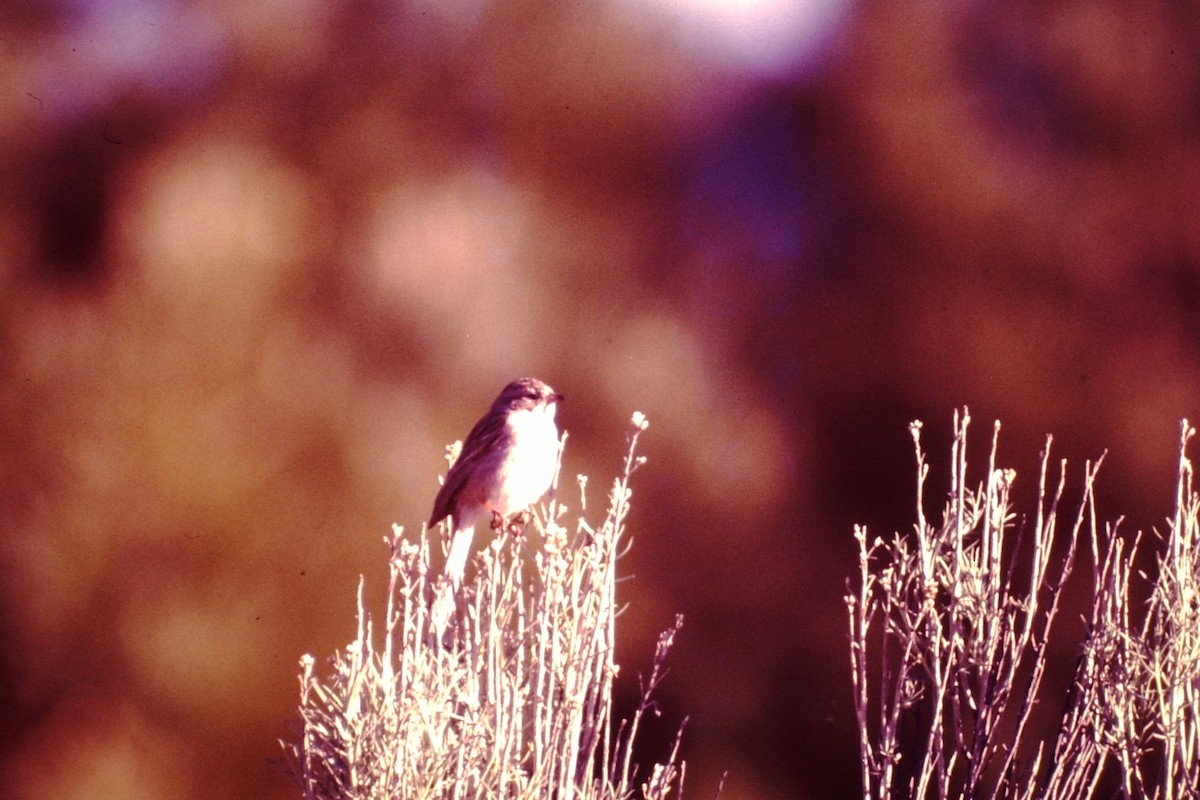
(456, 565)
(460, 548)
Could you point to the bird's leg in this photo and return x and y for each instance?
(497, 519)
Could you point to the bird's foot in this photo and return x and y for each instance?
(514, 526)
(518, 523)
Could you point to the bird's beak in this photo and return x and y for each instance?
(555, 397)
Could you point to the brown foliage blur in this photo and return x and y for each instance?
(260, 262)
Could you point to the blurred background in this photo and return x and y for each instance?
(260, 262)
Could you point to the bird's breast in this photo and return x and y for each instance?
(528, 470)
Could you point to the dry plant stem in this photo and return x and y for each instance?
(1034, 633)
(959, 649)
(1172, 628)
(956, 641)
(509, 696)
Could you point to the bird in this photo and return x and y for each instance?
(506, 464)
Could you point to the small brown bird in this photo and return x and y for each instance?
(506, 464)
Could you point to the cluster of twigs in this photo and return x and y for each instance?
(949, 632)
(512, 700)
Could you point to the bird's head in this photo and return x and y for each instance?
(526, 394)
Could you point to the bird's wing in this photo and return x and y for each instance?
(484, 440)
